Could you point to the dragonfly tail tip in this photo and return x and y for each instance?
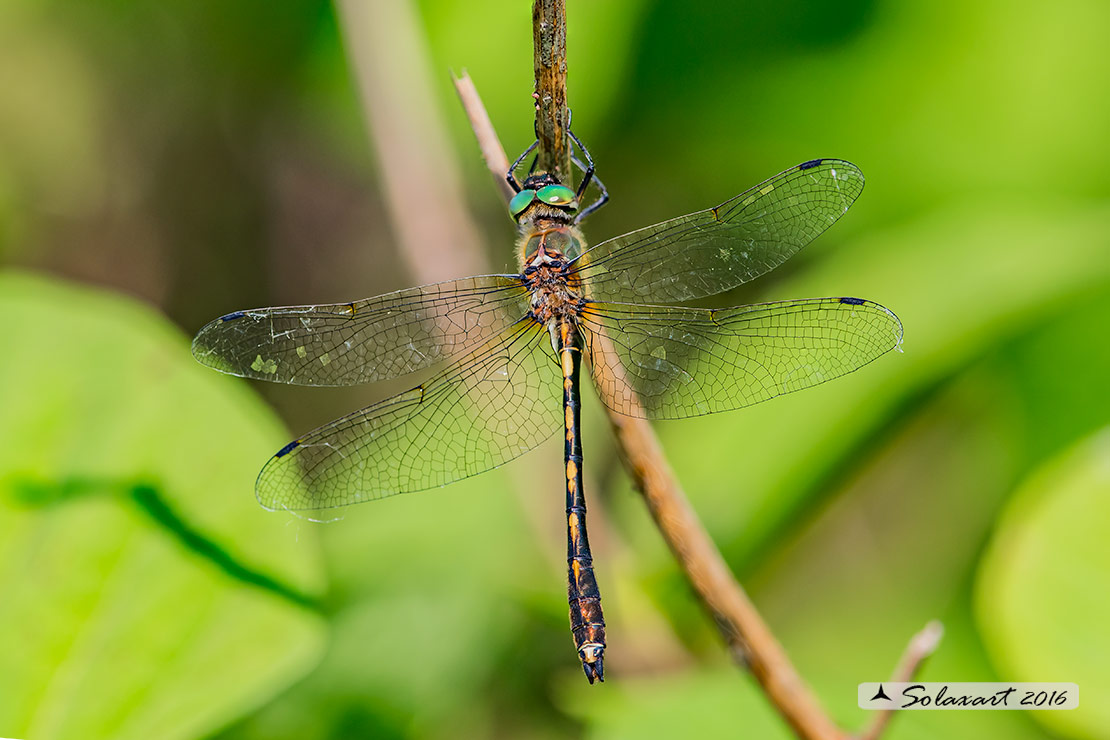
(595, 671)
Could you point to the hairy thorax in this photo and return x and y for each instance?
(547, 245)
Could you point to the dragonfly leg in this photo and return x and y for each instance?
(587, 177)
(588, 170)
(601, 200)
(510, 176)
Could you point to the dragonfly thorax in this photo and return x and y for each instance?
(547, 232)
(541, 217)
(555, 293)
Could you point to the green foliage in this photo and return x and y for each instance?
(1043, 589)
(145, 594)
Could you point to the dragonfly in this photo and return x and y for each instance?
(507, 350)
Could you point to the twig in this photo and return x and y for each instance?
(749, 638)
(411, 140)
(493, 154)
(920, 647)
(418, 167)
(667, 648)
(549, 39)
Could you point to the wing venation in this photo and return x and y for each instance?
(364, 341)
(667, 362)
(715, 250)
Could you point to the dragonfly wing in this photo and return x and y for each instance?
(714, 250)
(491, 405)
(664, 362)
(364, 341)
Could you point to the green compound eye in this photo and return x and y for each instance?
(521, 201)
(557, 195)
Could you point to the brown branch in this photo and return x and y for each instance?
(492, 152)
(920, 647)
(745, 632)
(549, 39)
(666, 648)
(406, 129)
(750, 640)
(748, 637)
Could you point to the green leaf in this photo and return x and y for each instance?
(146, 594)
(1043, 588)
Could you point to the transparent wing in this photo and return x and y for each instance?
(374, 339)
(491, 405)
(715, 250)
(664, 362)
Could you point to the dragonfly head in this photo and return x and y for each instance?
(545, 197)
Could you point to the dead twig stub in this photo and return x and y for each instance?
(492, 152)
(920, 647)
(407, 131)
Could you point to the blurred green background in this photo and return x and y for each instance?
(165, 163)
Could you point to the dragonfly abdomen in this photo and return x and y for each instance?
(587, 623)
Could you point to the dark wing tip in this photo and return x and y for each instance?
(833, 164)
(880, 308)
(232, 316)
(288, 448)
